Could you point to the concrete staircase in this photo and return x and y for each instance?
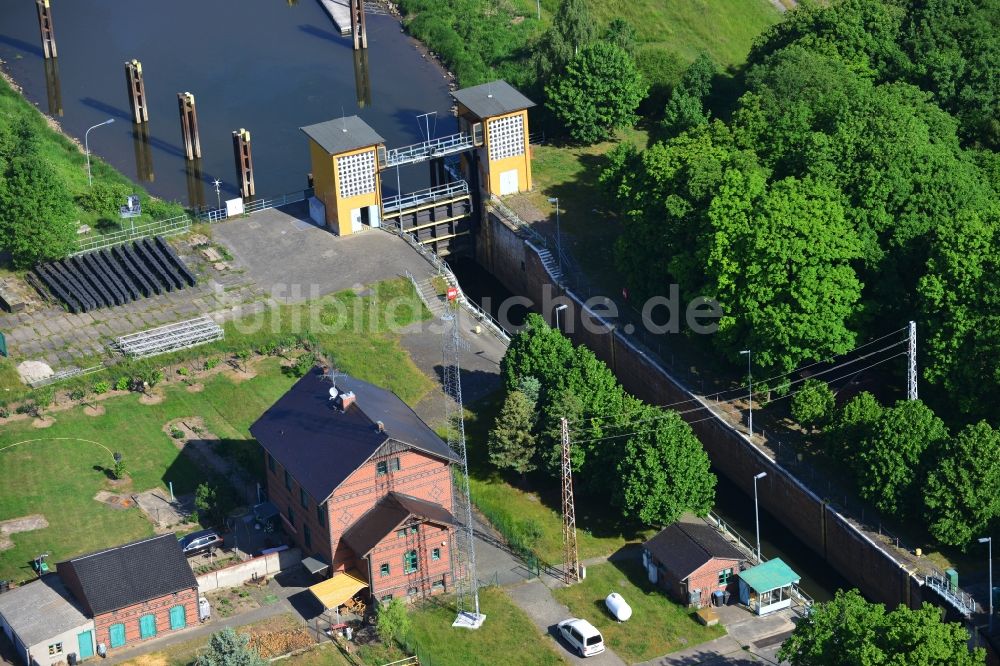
(428, 294)
(551, 264)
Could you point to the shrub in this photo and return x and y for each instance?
(123, 383)
(77, 394)
(183, 372)
(4, 412)
(120, 470)
(303, 364)
(211, 363)
(101, 387)
(176, 433)
(393, 621)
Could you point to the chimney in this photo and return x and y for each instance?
(346, 399)
(380, 426)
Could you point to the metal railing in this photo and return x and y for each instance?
(444, 270)
(399, 203)
(956, 596)
(169, 227)
(425, 150)
(219, 214)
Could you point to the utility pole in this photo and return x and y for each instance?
(571, 556)
(911, 370)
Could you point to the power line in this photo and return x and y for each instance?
(790, 384)
(740, 389)
(715, 415)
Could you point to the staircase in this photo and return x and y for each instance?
(551, 265)
(434, 301)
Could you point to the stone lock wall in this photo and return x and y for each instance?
(810, 517)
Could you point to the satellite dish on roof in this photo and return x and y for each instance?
(334, 392)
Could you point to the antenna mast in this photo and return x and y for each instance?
(464, 553)
(911, 370)
(571, 556)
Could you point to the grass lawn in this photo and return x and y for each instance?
(658, 625)
(534, 511)
(507, 637)
(59, 477)
(724, 29)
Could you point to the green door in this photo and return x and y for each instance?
(147, 626)
(86, 642)
(117, 635)
(178, 619)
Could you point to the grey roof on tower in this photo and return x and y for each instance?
(131, 574)
(333, 138)
(40, 610)
(684, 547)
(320, 445)
(385, 518)
(492, 99)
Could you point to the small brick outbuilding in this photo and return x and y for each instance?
(136, 591)
(691, 561)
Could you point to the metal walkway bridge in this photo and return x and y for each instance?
(426, 150)
(401, 203)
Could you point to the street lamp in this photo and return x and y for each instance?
(86, 147)
(750, 387)
(555, 200)
(756, 511)
(559, 308)
(989, 541)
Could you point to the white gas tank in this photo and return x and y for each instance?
(616, 604)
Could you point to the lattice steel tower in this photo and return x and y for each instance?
(464, 553)
(911, 369)
(571, 555)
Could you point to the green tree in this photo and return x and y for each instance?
(37, 219)
(962, 493)
(392, 622)
(780, 265)
(813, 403)
(537, 351)
(572, 30)
(849, 631)
(531, 388)
(511, 442)
(892, 459)
(598, 93)
(230, 648)
(664, 471)
(206, 500)
(686, 108)
(852, 426)
(621, 33)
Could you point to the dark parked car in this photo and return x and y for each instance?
(200, 542)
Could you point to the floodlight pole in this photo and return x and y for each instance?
(989, 542)
(86, 147)
(750, 387)
(756, 510)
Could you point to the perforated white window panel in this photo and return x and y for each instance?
(506, 137)
(356, 174)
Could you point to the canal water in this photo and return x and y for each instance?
(263, 65)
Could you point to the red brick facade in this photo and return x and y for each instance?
(420, 475)
(159, 608)
(705, 578)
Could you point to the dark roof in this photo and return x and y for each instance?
(683, 547)
(321, 446)
(492, 99)
(130, 574)
(386, 516)
(334, 140)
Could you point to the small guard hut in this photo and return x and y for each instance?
(767, 587)
(503, 111)
(345, 174)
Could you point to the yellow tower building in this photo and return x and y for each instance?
(504, 159)
(344, 156)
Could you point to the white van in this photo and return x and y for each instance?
(583, 636)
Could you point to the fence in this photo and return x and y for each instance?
(63, 375)
(444, 270)
(169, 227)
(219, 214)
